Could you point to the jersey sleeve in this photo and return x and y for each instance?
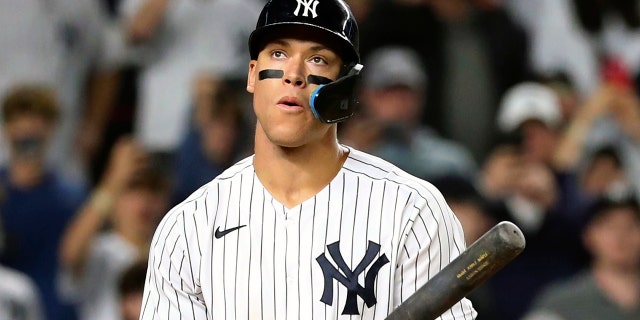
(172, 289)
(433, 238)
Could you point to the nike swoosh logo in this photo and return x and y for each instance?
(219, 234)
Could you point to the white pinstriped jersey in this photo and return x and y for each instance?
(355, 250)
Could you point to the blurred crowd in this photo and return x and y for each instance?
(113, 111)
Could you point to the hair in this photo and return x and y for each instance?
(149, 178)
(226, 103)
(603, 205)
(227, 106)
(457, 188)
(132, 278)
(31, 99)
(607, 152)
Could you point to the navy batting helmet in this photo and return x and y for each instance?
(334, 17)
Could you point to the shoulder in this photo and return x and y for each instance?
(376, 168)
(234, 172)
(567, 292)
(203, 201)
(568, 299)
(443, 154)
(241, 167)
(188, 224)
(427, 139)
(371, 167)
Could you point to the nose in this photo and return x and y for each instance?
(294, 73)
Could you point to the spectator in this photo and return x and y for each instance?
(471, 209)
(610, 287)
(219, 137)
(603, 173)
(485, 54)
(532, 111)
(178, 40)
(60, 43)
(19, 296)
(526, 188)
(568, 96)
(411, 24)
(39, 202)
(389, 125)
(129, 202)
(580, 38)
(496, 179)
(610, 117)
(468, 204)
(467, 47)
(131, 289)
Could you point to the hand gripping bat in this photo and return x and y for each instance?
(481, 260)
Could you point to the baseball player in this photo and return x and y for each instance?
(306, 228)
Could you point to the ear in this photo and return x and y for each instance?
(251, 77)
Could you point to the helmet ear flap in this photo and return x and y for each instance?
(336, 101)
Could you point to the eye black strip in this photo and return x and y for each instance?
(270, 74)
(313, 79)
(278, 74)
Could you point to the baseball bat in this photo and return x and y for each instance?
(490, 253)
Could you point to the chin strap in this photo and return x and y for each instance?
(335, 101)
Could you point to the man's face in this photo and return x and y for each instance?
(281, 103)
(399, 105)
(603, 173)
(614, 239)
(539, 141)
(140, 210)
(27, 137)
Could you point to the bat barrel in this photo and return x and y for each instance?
(490, 253)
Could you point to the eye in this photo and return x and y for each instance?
(318, 60)
(278, 54)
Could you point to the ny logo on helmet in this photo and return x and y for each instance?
(309, 6)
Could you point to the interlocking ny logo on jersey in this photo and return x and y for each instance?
(309, 6)
(349, 278)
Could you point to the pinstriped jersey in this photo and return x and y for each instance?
(355, 250)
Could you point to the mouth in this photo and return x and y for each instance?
(290, 103)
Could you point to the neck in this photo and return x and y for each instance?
(621, 285)
(25, 175)
(294, 174)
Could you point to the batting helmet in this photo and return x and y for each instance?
(331, 16)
